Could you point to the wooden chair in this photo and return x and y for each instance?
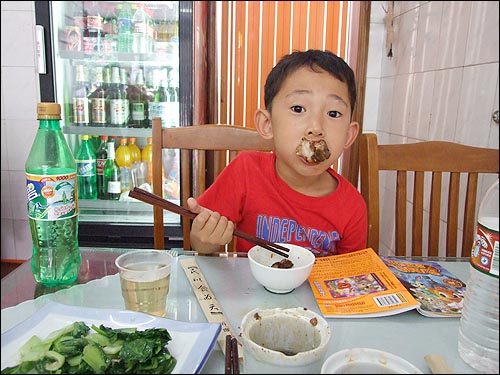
(194, 141)
(424, 161)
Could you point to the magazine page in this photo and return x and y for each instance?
(358, 285)
(439, 292)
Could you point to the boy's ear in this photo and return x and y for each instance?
(352, 133)
(262, 121)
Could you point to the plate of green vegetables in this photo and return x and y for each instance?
(60, 338)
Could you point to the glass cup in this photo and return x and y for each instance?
(145, 280)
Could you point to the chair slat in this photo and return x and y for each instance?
(401, 213)
(418, 213)
(434, 214)
(469, 215)
(452, 217)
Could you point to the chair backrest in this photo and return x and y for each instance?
(437, 169)
(194, 141)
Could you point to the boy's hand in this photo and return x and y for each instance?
(209, 229)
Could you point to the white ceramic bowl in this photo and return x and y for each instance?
(267, 334)
(280, 280)
(367, 361)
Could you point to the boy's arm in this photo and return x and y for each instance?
(209, 230)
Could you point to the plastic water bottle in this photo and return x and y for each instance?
(52, 202)
(478, 333)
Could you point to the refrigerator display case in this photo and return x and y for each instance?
(113, 66)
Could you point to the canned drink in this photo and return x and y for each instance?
(73, 38)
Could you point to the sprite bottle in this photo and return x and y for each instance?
(51, 189)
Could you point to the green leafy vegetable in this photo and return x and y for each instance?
(75, 349)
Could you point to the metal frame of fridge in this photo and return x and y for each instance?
(128, 234)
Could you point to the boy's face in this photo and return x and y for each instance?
(310, 104)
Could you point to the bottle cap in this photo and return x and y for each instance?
(85, 137)
(48, 111)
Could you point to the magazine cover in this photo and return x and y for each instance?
(439, 292)
(358, 285)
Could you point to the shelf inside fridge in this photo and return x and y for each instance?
(106, 211)
(110, 131)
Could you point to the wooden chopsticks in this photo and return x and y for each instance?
(153, 199)
(232, 365)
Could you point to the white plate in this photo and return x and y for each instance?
(191, 343)
(367, 361)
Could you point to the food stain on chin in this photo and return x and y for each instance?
(313, 151)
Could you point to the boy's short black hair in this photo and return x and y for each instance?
(314, 59)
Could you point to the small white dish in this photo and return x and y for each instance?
(367, 361)
(281, 280)
(284, 341)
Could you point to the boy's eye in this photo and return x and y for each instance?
(297, 109)
(334, 114)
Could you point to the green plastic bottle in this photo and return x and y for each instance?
(52, 202)
(86, 163)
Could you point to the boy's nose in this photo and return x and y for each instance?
(315, 128)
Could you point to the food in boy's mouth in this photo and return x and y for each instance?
(313, 151)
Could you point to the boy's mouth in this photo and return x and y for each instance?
(313, 151)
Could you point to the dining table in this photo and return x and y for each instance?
(409, 335)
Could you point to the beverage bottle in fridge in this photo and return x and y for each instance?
(110, 25)
(478, 332)
(140, 22)
(135, 151)
(98, 100)
(81, 112)
(101, 157)
(161, 101)
(124, 88)
(147, 156)
(52, 202)
(138, 102)
(125, 26)
(124, 161)
(122, 154)
(94, 39)
(117, 102)
(86, 166)
(112, 184)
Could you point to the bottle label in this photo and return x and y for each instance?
(118, 111)
(81, 110)
(100, 166)
(485, 253)
(85, 167)
(99, 110)
(138, 112)
(51, 197)
(114, 187)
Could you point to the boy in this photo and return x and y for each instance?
(291, 195)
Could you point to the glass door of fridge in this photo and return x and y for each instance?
(116, 66)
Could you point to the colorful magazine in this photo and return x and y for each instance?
(358, 285)
(439, 292)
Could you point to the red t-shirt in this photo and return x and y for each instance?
(251, 194)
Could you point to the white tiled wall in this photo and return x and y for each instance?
(20, 94)
(442, 83)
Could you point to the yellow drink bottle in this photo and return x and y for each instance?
(147, 156)
(135, 152)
